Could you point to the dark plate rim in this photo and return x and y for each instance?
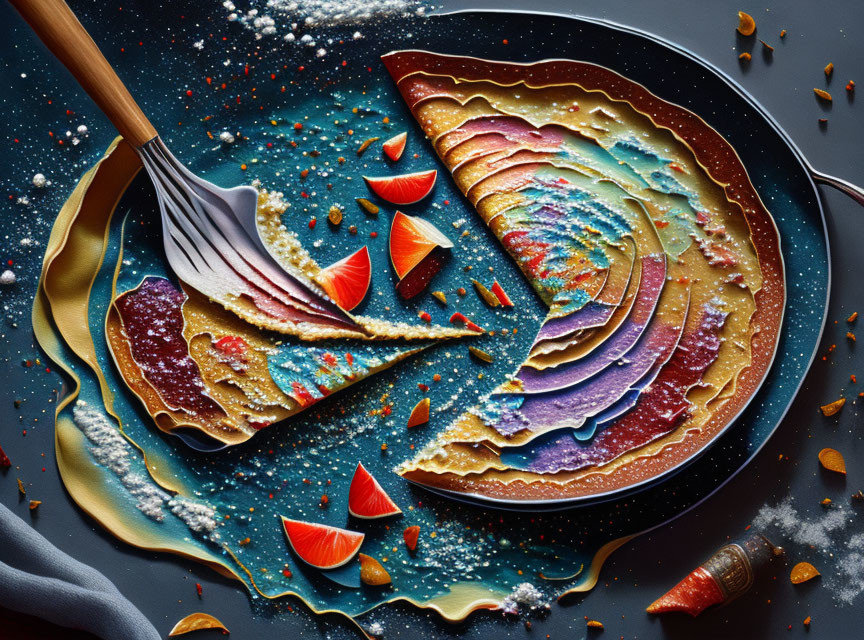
(570, 503)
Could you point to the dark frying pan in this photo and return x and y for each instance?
(785, 180)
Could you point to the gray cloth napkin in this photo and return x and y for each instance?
(38, 579)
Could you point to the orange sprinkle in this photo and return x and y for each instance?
(832, 460)
(832, 408)
(802, 572)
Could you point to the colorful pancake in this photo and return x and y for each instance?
(636, 223)
(208, 371)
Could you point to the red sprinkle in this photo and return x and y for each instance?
(312, 222)
(458, 317)
(5, 462)
(199, 589)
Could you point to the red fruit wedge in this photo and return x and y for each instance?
(321, 545)
(347, 281)
(419, 414)
(459, 317)
(502, 296)
(405, 189)
(419, 277)
(394, 147)
(411, 240)
(366, 498)
(411, 535)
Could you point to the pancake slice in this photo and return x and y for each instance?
(636, 224)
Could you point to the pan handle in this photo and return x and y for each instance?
(853, 191)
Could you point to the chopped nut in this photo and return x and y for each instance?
(746, 24)
(823, 95)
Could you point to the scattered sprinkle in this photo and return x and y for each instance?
(832, 408)
(822, 95)
(832, 460)
(802, 572)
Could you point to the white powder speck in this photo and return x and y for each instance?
(375, 629)
(39, 181)
(227, 137)
(8, 277)
(198, 44)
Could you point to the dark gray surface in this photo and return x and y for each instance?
(818, 32)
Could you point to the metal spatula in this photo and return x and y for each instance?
(210, 236)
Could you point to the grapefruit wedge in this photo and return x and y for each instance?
(320, 545)
(366, 498)
(407, 188)
(395, 146)
(411, 240)
(347, 281)
(416, 251)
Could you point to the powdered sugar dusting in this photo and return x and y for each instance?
(814, 532)
(301, 21)
(841, 558)
(111, 450)
(851, 570)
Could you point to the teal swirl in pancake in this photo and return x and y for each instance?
(216, 370)
(636, 224)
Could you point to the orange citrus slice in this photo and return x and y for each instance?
(407, 188)
(347, 281)
(366, 498)
(321, 545)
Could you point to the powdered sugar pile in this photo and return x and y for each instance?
(112, 451)
(524, 594)
(823, 534)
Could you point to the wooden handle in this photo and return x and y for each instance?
(56, 25)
